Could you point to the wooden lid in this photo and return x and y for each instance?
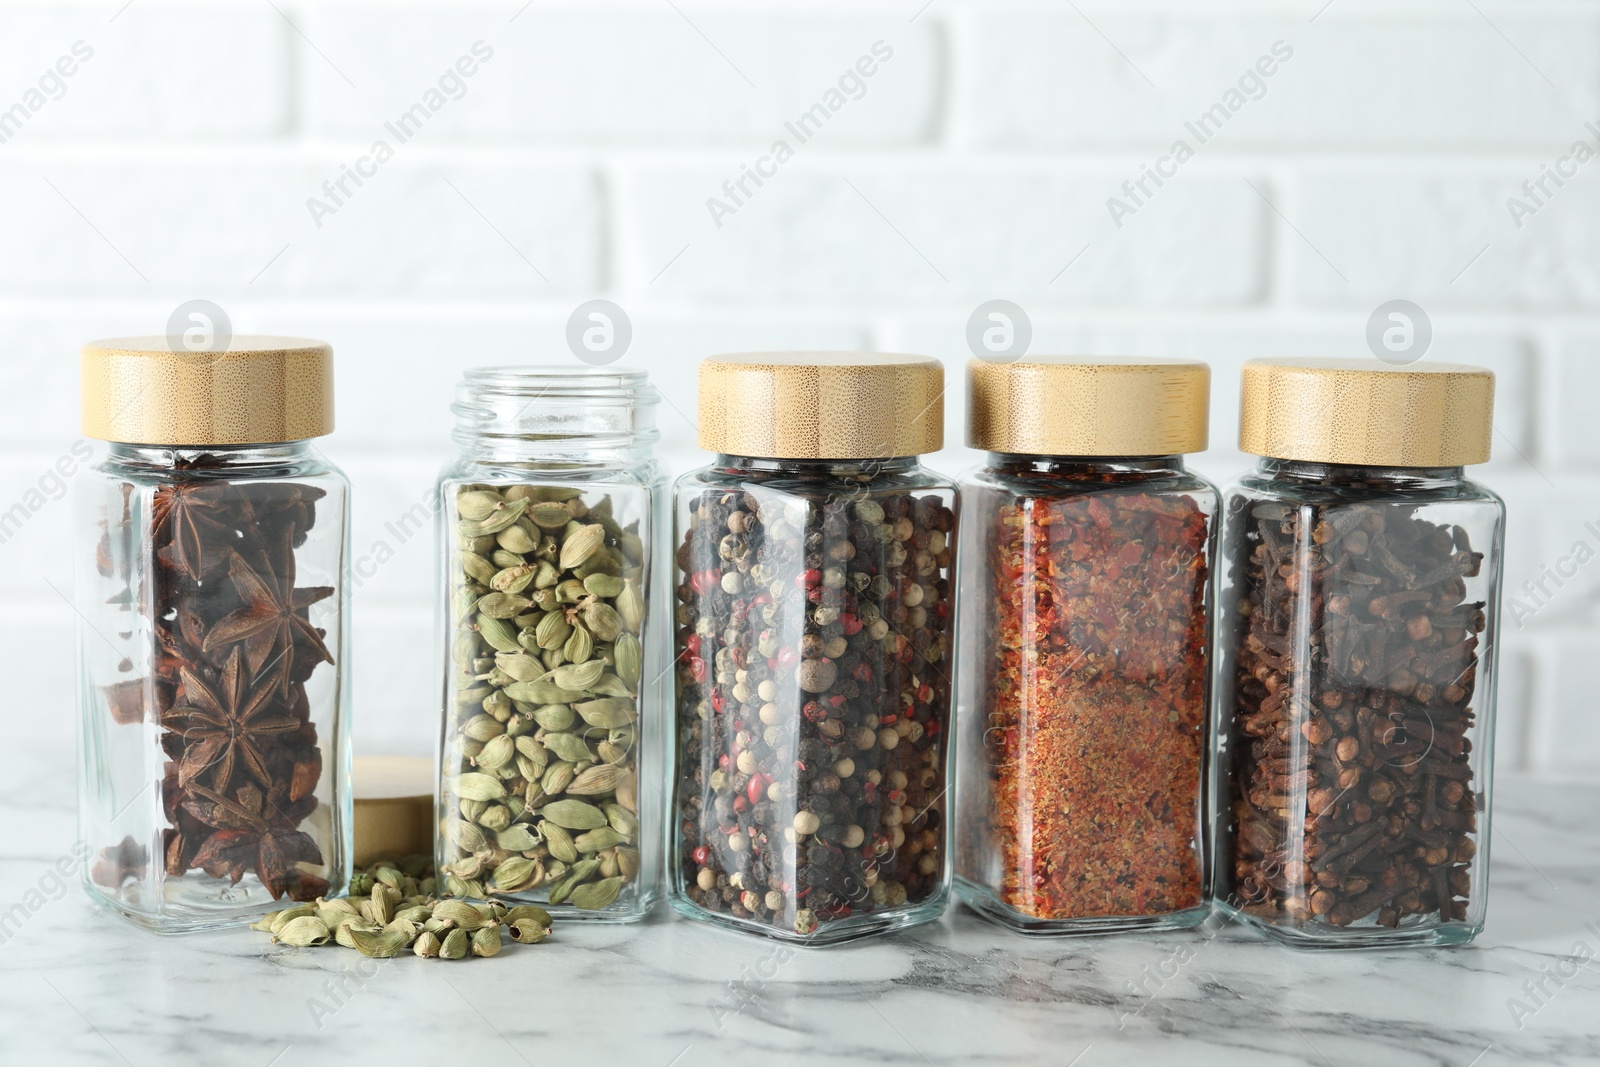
(1089, 406)
(821, 405)
(262, 390)
(393, 807)
(1364, 413)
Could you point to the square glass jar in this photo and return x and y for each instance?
(214, 744)
(1086, 666)
(814, 619)
(1358, 644)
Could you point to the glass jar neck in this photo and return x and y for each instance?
(1353, 476)
(821, 468)
(210, 457)
(580, 417)
(1087, 466)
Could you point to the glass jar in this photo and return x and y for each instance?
(550, 747)
(814, 615)
(1085, 676)
(214, 753)
(1356, 681)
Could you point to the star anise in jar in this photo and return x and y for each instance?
(183, 519)
(231, 723)
(248, 833)
(284, 508)
(273, 620)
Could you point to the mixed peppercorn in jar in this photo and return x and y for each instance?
(814, 618)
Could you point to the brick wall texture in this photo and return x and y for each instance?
(431, 185)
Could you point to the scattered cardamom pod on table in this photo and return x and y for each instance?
(392, 908)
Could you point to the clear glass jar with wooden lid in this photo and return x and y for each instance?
(1357, 647)
(1085, 670)
(213, 636)
(814, 615)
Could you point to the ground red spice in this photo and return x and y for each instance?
(1097, 723)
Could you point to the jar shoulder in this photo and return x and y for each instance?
(643, 475)
(1050, 486)
(803, 482)
(1463, 491)
(307, 466)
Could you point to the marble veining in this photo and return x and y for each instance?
(83, 987)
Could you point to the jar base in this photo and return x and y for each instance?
(1325, 938)
(636, 910)
(983, 901)
(837, 932)
(183, 920)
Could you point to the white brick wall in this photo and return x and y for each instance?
(975, 162)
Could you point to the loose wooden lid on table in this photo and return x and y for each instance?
(262, 390)
(393, 807)
(1088, 406)
(821, 405)
(1365, 413)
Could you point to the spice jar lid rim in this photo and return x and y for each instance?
(822, 359)
(1365, 413)
(821, 405)
(1089, 406)
(1110, 364)
(1367, 365)
(261, 389)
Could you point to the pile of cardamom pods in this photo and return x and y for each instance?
(391, 907)
(540, 790)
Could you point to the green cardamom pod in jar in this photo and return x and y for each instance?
(628, 659)
(548, 663)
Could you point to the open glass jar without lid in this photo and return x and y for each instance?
(214, 774)
(549, 746)
(814, 614)
(1086, 661)
(1356, 683)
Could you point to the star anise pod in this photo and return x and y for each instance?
(114, 866)
(273, 619)
(186, 517)
(283, 508)
(244, 839)
(227, 724)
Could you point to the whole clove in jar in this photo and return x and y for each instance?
(813, 622)
(1356, 684)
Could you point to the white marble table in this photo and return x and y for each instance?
(82, 987)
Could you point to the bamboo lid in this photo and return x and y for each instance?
(821, 405)
(1088, 406)
(262, 390)
(393, 807)
(1358, 412)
